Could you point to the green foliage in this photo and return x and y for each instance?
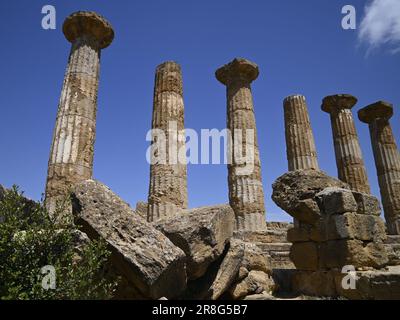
(31, 239)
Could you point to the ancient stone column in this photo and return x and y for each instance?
(168, 178)
(300, 146)
(349, 160)
(246, 195)
(71, 156)
(387, 160)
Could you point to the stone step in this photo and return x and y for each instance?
(279, 246)
(278, 253)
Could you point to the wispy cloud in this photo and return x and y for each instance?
(380, 25)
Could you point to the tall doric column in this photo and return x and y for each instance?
(349, 158)
(168, 178)
(246, 195)
(387, 160)
(300, 146)
(71, 156)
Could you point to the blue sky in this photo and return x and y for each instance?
(299, 46)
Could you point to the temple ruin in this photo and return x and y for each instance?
(162, 249)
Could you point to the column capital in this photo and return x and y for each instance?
(88, 23)
(169, 66)
(237, 69)
(334, 103)
(377, 110)
(293, 97)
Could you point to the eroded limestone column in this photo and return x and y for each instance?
(387, 160)
(349, 160)
(168, 177)
(300, 146)
(71, 156)
(246, 195)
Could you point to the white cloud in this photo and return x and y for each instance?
(380, 25)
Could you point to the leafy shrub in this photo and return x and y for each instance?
(31, 239)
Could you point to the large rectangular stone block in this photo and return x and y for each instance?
(298, 234)
(339, 253)
(202, 233)
(305, 255)
(305, 232)
(355, 226)
(334, 200)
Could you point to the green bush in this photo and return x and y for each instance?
(31, 239)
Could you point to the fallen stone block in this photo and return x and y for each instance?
(255, 259)
(140, 253)
(232, 268)
(256, 282)
(314, 283)
(80, 241)
(229, 270)
(293, 187)
(244, 270)
(202, 233)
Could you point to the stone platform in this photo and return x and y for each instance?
(381, 284)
